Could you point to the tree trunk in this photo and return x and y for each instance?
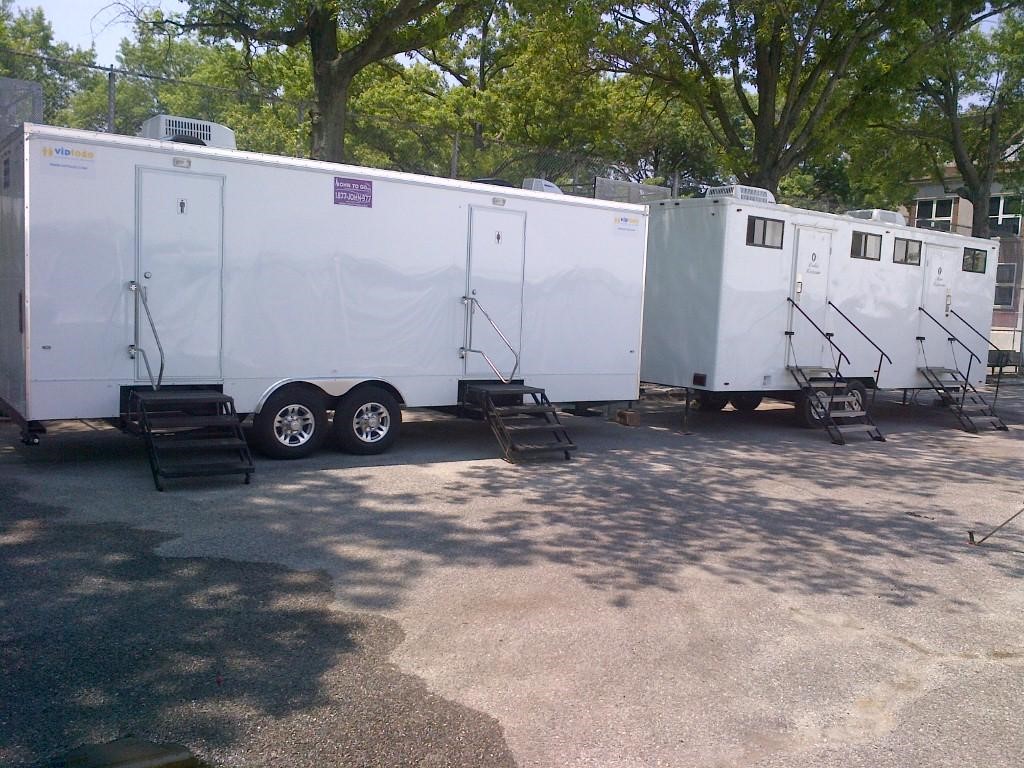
(766, 177)
(330, 119)
(979, 199)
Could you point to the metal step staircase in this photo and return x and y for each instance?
(840, 411)
(963, 399)
(953, 386)
(189, 433)
(838, 407)
(524, 429)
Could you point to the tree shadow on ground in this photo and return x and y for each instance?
(741, 500)
(242, 663)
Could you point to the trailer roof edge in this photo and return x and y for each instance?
(178, 148)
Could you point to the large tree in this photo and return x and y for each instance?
(341, 37)
(773, 79)
(970, 109)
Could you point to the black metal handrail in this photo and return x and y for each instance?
(827, 336)
(977, 333)
(951, 338)
(1002, 360)
(881, 352)
(857, 328)
(950, 335)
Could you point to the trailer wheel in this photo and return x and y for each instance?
(858, 390)
(812, 408)
(711, 401)
(745, 401)
(367, 421)
(292, 423)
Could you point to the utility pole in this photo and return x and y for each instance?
(111, 99)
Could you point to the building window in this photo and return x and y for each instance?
(7, 172)
(766, 233)
(935, 214)
(907, 252)
(975, 260)
(866, 246)
(1004, 214)
(1006, 285)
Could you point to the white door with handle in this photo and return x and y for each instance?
(494, 289)
(180, 257)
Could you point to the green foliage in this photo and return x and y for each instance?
(776, 83)
(61, 75)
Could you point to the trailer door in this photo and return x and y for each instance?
(497, 241)
(180, 252)
(940, 265)
(810, 292)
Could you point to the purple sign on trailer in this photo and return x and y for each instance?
(353, 192)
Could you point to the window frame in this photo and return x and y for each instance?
(864, 241)
(1010, 284)
(752, 239)
(1004, 220)
(973, 254)
(934, 221)
(906, 251)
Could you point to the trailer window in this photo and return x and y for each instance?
(866, 246)
(974, 260)
(907, 252)
(766, 233)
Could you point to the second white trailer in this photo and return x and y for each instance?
(742, 292)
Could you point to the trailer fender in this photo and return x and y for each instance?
(333, 388)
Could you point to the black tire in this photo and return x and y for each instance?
(810, 411)
(292, 423)
(710, 402)
(858, 389)
(745, 401)
(367, 421)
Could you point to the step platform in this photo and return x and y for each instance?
(190, 433)
(523, 429)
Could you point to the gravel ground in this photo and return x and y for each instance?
(732, 592)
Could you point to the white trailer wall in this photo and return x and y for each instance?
(289, 285)
(12, 276)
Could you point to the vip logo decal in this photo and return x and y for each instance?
(63, 157)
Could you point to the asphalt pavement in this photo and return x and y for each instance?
(732, 591)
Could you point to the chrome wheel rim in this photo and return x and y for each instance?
(858, 400)
(371, 422)
(819, 405)
(294, 425)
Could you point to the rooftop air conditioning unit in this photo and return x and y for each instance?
(189, 131)
(879, 214)
(754, 194)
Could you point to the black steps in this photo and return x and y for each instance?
(190, 433)
(523, 429)
(840, 410)
(968, 404)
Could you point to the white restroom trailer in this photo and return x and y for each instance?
(735, 280)
(127, 261)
